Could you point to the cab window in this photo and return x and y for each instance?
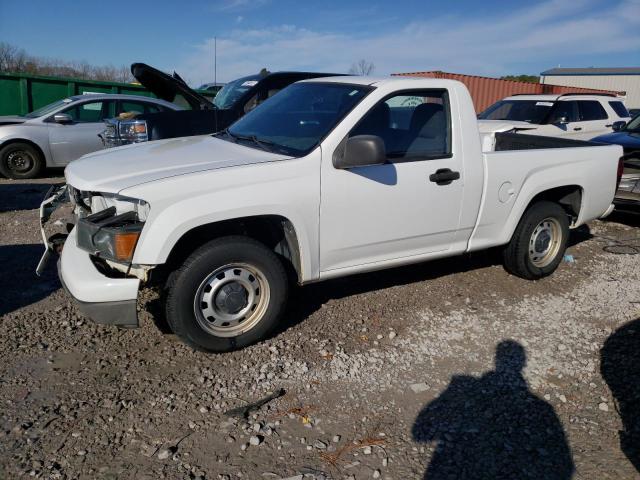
(414, 125)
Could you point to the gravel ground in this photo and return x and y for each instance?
(450, 369)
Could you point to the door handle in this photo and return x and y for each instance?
(577, 128)
(609, 125)
(444, 176)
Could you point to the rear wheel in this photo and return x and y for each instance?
(228, 294)
(20, 160)
(539, 242)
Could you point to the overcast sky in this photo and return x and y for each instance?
(490, 38)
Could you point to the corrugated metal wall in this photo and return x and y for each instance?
(627, 83)
(486, 91)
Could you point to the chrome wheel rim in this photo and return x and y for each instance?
(20, 161)
(232, 300)
(545, 241)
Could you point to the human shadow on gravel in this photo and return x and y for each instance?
(493, 427)
(22, 196)
(620, 368)
(19, 284)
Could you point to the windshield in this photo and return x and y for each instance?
(633, 125)
(232, 91)
(300, 116)
(48, 108)
(532, 111)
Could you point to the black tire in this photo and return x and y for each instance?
(20, 161)
(518, 256)
(229, 256)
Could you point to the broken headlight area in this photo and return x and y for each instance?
(109, 235)
(133, 131)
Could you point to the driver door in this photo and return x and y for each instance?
(396, 210)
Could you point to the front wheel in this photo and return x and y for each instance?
(20, 161)
(228, 294)
(539, 242)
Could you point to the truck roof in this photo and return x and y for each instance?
(379, 81)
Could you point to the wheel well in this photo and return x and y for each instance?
(274, 231)
(28, 142)
(568, 197)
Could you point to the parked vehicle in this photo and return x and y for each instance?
(234, 100)
(211, 87)
(572, 115)
(62, 131)
(628, 137)
(329, 178)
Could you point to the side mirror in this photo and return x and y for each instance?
(361, 151)
(563, 120)
(62, 118)
(617, 126)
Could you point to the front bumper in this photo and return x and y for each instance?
(103, 299)
(111, 142)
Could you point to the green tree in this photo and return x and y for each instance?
(522, 78)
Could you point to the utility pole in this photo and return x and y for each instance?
(215, 62)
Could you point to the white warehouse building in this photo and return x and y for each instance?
(617, 79)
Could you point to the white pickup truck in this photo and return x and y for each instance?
(328, 178)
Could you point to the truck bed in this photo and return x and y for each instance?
(519, 141)
(522, 165)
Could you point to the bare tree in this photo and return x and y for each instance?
(362, 67)
(16, 60)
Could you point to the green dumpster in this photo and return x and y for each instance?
(22, 93)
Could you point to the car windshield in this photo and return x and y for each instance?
(296, 119)
(532, 111)
(633, 125)
(232, 91)
(41, 112)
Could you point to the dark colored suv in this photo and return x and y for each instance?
(202, 116)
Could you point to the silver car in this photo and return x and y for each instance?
(54, 135)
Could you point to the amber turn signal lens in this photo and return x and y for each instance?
(140, 128)
(125, 244)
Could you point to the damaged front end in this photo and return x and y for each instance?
(108, 227)
(55, 230)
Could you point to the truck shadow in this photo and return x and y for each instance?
(304, 301)
(19, 284)
(22, 196)
(620, 368)
(628, 217)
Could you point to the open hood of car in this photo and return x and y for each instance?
(167, 87)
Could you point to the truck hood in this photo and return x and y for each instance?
(494, 126)
(168, 87)
(116, 169)
(11, 120)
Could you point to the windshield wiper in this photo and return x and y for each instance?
(263, 144)
(266, 145)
